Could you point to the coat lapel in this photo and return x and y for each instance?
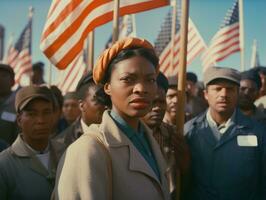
(21, 150)
(206, 132)
(115, 138)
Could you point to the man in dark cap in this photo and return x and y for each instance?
(194, 104)
(37, 73)
(228, 152)
(8, 126)
(173, 148)
(90, 106)
(27, 168)
(250, 85)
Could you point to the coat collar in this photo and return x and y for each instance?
(20, 149)
(114, 138)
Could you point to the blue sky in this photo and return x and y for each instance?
(206, 14)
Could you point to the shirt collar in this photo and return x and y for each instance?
(222, 128)
(124, 126)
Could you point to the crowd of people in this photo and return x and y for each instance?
(115, 136)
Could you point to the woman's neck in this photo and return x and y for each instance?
(131, 121)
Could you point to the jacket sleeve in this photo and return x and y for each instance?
(83, 172)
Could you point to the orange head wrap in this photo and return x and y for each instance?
(107, 56)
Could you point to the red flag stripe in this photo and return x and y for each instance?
(65, 34)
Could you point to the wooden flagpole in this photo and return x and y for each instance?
(115, 21)
(90, 48)
(180, 117)
(31, 11)
(173, 32)
(50, 74)
(241, 35)
(133, 17)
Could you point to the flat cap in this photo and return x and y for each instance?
(192, 77)
(7, 68)
(213, 73)
(29, 93)
(172, 80)
(252, 75)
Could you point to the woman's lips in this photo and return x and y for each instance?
(140, 103)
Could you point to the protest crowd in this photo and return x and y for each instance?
(115, 135)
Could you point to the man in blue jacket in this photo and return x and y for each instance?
(228, 151)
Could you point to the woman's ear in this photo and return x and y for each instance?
(19, 120)
(107, 88)
(81, 105)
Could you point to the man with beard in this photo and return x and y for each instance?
(250, 85)
(174, 148)
(228, 152)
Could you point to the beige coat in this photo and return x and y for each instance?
(83, 170)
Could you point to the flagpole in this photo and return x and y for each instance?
(115, 21)
(50, 74)
(241, 35)
(134, 25)
(173, 32)
(180, 117)
(31, 10)
(90, 47)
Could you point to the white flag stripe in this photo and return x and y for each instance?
(221, 39)
(218, 50)
(195, 46)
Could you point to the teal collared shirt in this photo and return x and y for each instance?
(139, 140)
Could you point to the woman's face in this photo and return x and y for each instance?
(132, 87)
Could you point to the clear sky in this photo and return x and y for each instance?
(206, 14)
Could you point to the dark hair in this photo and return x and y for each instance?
(57, 95)
(162, 81)
(129, 53)
(82, 90)
(38, 66)
(192, 77)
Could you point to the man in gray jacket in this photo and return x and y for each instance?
(28, 167)
(228, 151)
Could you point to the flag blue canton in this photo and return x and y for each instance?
(24, 41)
(232, 16)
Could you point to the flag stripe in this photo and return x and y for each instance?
(68, 25)
(225, 41)
(195, 46)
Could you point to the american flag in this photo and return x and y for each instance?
(19, 55)
(69, 22)
(126, 29)
(163, 45)
(225, 41)
(70, 77)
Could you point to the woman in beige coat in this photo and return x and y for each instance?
(118, 159)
